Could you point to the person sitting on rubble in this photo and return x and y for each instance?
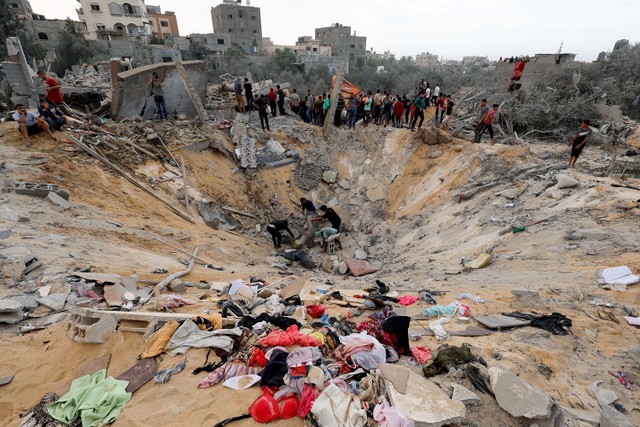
(156, 86)
(52, 115)
(261, 104)
(30, 124)
(578, 142)
(54, 94)
(328, 234)
(274, 229)
(331, 216)
(237, 89)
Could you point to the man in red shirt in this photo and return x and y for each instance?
(486, 120)
(440, 107)
(398, 109)
(54, 94)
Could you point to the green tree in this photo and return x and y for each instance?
(199, 50)
(285, 60)
(73, 49)
(12, 26)
(620, 79)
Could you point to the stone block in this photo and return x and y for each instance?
(517, 396)
(177, 286)
(610, 417)
(27, 301)
(464, 395)
(58, 201)
(54, 301)
(10, 311)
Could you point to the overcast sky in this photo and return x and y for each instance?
(448, 28)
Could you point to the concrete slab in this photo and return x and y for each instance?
(500, 321)
(10, 311)
(114, 294)
(518, 397)
(610, 417)
(464, 395)
(28, 301)
(425, 403)
(54, 301)
(58, 201)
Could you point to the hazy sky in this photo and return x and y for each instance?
(448, 28)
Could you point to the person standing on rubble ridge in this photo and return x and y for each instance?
(54, 94)
(435, 94)
(331, 216)
(237, 89)
(309, 105)
(272, 97)
(156, 86)
(484, 108)
(260, 104)
(487, 121)
(280, 99)
(447, 114)
(30, 124)
(578, 142)
(248, 93)
(353, 111)
(420, 105)
(294, 102)
(275, 227)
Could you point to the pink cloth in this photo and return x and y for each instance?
(389, 416)
(421, 354)
(407, 300)
(354, 345)
(174, 301)
(288, 338)
(226, 371)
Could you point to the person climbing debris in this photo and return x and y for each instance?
(275, 227)
(328, 234)
(487, 120)
(308, 207)
(578, 142)
(331, 216)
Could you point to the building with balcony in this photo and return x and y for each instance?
(107, 19)
(242, 23)
(163, 25)
(342, 43)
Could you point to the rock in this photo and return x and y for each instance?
(54, 301)
(13, 269)
(327, 265)
(182, 116)
(342, 268)
(27, 301)
(330, 176)
(518, 397)
(332, 203)
(524, 293)
(44, 291)
(610, 417)
(177, 286)
(464, 395)
(55, 318)
(152, 136)
(566, 181)
(11, 311)
(606, 397)
(367, 162)
(344, 184)
(425, 403)
(5, 234)
(434, 154)
(360, 254)
(58, 201)
(588, 417)
(634, 353)
(8, 215)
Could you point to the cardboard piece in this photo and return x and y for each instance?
(295, 287)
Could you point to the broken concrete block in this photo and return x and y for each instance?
(54, 301)
(13, 269)
(425, 403)
(344, 184)
(360, 254)
(634, 353)
(588, 417)
(6, 379)
(329, 177)
(10, 311)
(114, 294)
(606, 397)
(58, 201)
(27, 301)
(566, 181)
(610, 417)
(89, 331)
(524, 293)
(177, 286)
(517, 396)
(464, 395)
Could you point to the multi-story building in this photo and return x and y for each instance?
(163, 25)
(427, 60)
(106, 19)
(304, 46)
(242, 23)
(342, 43)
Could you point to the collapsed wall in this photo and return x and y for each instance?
(131, 92)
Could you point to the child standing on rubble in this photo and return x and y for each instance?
(578, 142)
(156, 86)
(487, 120)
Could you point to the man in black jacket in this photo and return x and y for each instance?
(274, 229)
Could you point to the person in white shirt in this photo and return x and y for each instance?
(435, 94)
(30, 124)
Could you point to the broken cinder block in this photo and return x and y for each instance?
(58, 201)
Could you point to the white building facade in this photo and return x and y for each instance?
(106, 19)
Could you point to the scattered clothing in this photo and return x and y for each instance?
(188, 335)
(450, 357)
(163, 376)
(337, 408)
(555, 323)
(421, 354)
(438, 329)
(389, 416)
(227, 371)
(407, 300)
(157, 342)
(451, 310)
(288, 338)
(96, 399)
(173, 301)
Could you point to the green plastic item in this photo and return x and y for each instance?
(518, 229)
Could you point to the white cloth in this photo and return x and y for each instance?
(389, 416)
(189, 335)
(336, 408)
(367, 359)
(438, 329)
